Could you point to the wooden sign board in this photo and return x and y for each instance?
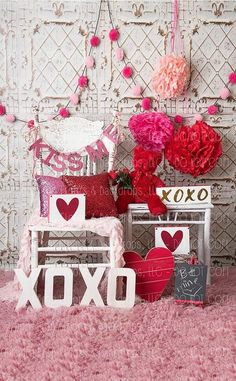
(176, 239)
(66, 208)
(190, 283)
(185, 195)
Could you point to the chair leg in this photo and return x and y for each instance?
(207, 253)
(129, 233)
(34, 249)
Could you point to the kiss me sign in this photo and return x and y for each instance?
(91, 281)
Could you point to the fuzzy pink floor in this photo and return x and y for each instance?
(158, 341)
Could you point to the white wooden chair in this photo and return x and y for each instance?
(177, 215)
(43, 233)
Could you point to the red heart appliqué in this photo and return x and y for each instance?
(172, 242)
(152, 273)
(67, 210)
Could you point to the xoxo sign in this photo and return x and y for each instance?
(185, 195)
(91, 281)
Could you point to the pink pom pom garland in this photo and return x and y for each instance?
(127, 72)
(95, 41)
(224, 93)
(198, 117)
(119, 53)
(64, 112)
(232, 78)
(114, 34)
(74, 98)
(10, 118)
(137, 90)
(2, 110)
(151, 130)
(89, 62)
(146, 103)
(83, 81)
(171, 77)
(212, 110)
(178, 119)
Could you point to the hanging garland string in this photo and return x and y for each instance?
(127, 72)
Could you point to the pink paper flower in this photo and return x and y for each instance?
(212, 110)
(146, 103)
(224, 93)
(171, 76)
(127, 71)
(95, 41)
(114, 34)
(151, 130)
(89, 62)
(178, 119)
(2, 110)
(64, 112)
(83, 81)
(232, 78)
(10, 118)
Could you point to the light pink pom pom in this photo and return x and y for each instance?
(224, 93)
(10, 118)
(137, 90)
(171, 76)
(89, 62)
(198, 117)
(119, 54)
(74, 98)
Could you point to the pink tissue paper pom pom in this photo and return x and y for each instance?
(10, 118)
(30, 123)
(212, 110)
(171, 76)
(146, 103)
(2, 110)
(232, 78)
(198, 117)
(64, 112)
(114, 34)
(127, 71)
(224, 93)
(137, 90)
(83, 81)
(89, 62)
(95, 41)
(152, 130)
(74, 98)
(178, 119)
(119, 54)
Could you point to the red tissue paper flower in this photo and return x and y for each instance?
(83, 81)
(114, 34)
(151, 130)
(64, 112)
(232, 78)
(127, 72)
(2, 110)
(95, 41)
(194, 150)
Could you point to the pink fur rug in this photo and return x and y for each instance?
(157, 341)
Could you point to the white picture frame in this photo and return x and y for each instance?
(170, 238)
(66, 208)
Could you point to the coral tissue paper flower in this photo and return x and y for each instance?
(194, 150)
(151, 130)
(170, 78)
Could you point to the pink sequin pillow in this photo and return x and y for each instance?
(47, 186)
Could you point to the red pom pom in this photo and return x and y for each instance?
(232, 78)
(83, 81)
(114, 34)
(178, 119)
(30, 124)
(212, 110)
(95, 41)
(2, 110)
(146, 103)
(64, 112)
(127, 72)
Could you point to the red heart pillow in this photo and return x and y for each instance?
(152, 273)
(194, 149)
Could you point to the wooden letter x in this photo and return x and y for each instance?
(28, 292)
(92, 283)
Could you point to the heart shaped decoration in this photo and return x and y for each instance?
(172, 242)
(152, 273)
(67, 210)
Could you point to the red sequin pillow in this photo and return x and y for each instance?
(99, 199)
